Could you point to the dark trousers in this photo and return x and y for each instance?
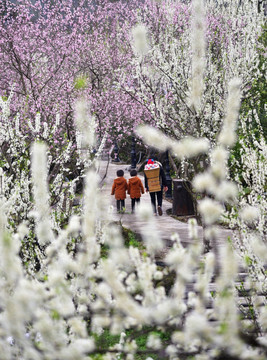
(120, 205)
(153, 196)
(135, 200)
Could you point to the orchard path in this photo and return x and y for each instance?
(166, 225)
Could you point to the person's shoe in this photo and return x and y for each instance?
(159, 210)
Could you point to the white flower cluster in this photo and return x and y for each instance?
(210, 210)
(187, 147)
(227, 136)
(214, 180)
(198, 52)
(41, 196)
(16, 182)
(249, 213)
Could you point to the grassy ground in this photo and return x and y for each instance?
(106, 340)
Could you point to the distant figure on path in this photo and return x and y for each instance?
(119, 188)
(135, 188)
(155, 180)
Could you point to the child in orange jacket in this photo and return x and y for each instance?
(119, 188)
(135, 188)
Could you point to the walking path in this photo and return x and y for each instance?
(166, 225)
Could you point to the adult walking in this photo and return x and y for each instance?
(155, 182)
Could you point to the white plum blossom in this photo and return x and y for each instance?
(197, 327)
(212, 232)
(149, 231)
(226, 191)
(227, 136)
(198, 51)
(209, 263)
(249, 213)
(154, 342)
(41, 196)
(192, 229)
(219, 157)
(158, 275)
(210, 210)
(153, 136)
(74, 225)
(259, 247)
(189, 147)
(263, 317)
(204, 182)
(37, 123)
(185, 148)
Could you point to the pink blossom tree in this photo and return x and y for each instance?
(52, 52)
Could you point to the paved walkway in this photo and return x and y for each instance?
(166, 225)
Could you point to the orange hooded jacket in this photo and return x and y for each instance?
(135, 187)
(119, 188)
